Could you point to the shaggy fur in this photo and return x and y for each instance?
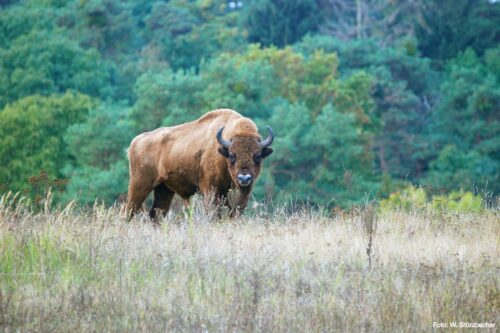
(187, 158)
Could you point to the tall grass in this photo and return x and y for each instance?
(78, 270)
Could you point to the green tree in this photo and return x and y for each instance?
(187, 33)
(470, 171)
(344, 163)
(452, 26)
(99, 168)
(19, 19)
(404, 91)
(167, 98)
(280, 22)
(468, 110)
(237, 82)
(323, 161)
(31, 136)
(467, 118)
(288, 170)
(44, 63)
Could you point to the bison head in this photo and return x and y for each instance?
(244, 156)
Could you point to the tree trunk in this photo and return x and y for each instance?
(359, 18)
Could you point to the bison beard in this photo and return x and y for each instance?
(219, 151)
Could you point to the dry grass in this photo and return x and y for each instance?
(76, 270)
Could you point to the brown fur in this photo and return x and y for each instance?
(185, 159)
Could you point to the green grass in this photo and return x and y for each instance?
(77, 270)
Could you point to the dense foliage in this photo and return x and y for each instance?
(364, 95)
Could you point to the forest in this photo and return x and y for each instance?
(365, 96)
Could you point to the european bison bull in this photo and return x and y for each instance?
(219, 151)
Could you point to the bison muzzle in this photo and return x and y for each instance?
(219, 151)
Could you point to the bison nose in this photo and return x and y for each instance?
(244, 179)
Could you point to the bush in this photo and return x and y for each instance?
(409, 199)
(458, 202)
(416, 199)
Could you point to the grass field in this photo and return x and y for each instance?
(88, 270)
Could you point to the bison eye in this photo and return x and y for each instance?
(232, 158)
(257, 158)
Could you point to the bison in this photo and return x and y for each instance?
(219, 151)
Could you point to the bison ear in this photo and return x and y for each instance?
(266, 152)
(224, 151)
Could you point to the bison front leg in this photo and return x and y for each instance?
(241, 204)
(213, 198)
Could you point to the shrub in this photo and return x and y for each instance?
(412, 198)
(458, 202)
(408, 199)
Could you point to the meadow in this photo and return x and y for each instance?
(279, 269)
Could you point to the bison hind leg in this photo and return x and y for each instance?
(162, 199)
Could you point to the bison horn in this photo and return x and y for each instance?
(223, 142)
(267, 142)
